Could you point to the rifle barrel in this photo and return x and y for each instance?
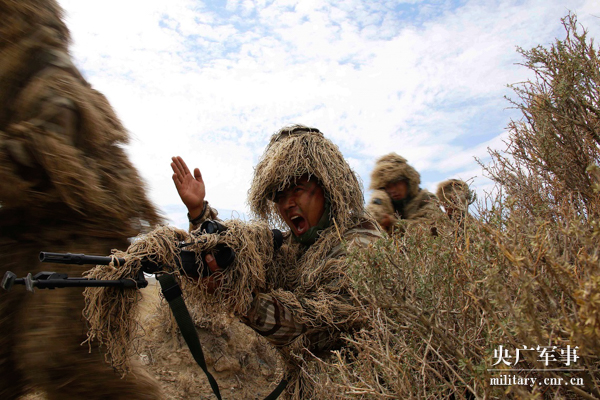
(81, 259)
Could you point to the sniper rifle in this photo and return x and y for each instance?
(187, 263)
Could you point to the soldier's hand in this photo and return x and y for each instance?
(386, 222)
(213, 281)
(191, 189)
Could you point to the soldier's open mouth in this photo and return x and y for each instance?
(300, 224)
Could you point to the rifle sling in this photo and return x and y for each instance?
(172, 293)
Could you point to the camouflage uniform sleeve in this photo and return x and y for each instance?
(327, 308)
(269, 318)
(428, 208)
(427, 212)
(208, 213)
(359, 236)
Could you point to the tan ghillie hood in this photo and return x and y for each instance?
(20, 17)
(44, 167)
(299, 150)
(29, 33)
(452, 190)
(391, 168)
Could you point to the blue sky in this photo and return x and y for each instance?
(211, 81)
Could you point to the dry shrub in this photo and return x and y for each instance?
(523, 273)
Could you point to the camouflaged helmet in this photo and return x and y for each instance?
(298, 150)
(392, 168)
(454, 190)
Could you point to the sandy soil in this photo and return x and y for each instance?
(241, 361)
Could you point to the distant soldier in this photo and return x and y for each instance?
(455, 196)
(66, 186)
(397, 194)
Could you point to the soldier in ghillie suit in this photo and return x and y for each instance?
(67, 186)
(455, 196)
(304, 304)
(397, 194)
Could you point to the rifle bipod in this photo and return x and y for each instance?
(53, 280)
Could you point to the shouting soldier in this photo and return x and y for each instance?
(305, 304)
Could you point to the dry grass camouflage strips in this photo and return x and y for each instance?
(86, 169)
(455, 192)
(393, 167)
(380, 204)
(302, 279)
(112, 313)
(67, 186)
(290, 155)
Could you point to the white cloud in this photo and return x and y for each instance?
(212, 84)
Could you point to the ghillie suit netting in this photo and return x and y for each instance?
(419, 206)
(451, 314)
(391, 168)
(380, 205)
(311, 282)
(455, 192)
(67, 186)
(297, 151)
(113, 314)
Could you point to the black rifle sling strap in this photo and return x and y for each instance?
(172, 292)
(278, 390)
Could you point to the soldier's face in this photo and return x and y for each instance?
(301, 205)
(397, 190)
(451, 199)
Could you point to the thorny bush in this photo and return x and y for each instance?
(524, 272)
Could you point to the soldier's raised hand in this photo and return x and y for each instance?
(191, 189)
